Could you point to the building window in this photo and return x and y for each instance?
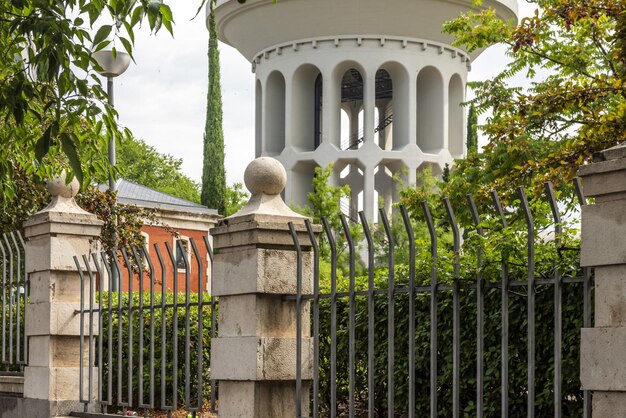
(183, 253)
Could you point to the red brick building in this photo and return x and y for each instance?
(189, 220)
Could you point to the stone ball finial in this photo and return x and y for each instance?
(265, 175)
(58, 187)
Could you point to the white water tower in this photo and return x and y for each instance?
(371, 85)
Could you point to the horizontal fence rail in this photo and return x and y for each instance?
(14, 287)
(425, 323)
(146, 347)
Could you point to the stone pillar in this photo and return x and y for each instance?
(254, 354)
(53, 237)
(603, 348)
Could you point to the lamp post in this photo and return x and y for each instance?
(112, 66)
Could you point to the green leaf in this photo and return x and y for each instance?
(127, 46)
(102, 34)
(137, 16)
(43, 144)
(69, 148)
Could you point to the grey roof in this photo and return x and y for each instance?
(131, 193)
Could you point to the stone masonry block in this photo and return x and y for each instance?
(62, 222)
(603, 359)
(256, 233)
(609, 404)
(60, 286)
(57, 351)
(57, 383)
(59, 318)
(604, 180)
(610, 302)
(56, 252)
(260, 315)
(254, 400)
(259, 270)
(258, 359)
(602, 226)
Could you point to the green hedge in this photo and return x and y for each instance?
(499, 245)
(572, 321)
(157, 319)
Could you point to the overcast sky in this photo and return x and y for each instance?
(162, 97)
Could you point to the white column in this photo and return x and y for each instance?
(290, 105)
(369, 102)
(446, 113)
(331, 108)
(369, 206)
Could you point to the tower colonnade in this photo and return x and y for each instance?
(373, 86)
(401, 100)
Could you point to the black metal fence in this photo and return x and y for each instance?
(149, 343)
(431, 336)
(14, 296)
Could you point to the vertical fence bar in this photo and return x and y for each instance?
(213, 321)
(140, 361)
(296, 244)
(18, 297)
(107, 267)
(4, 302)
(582, 201)
(371, 368)
(391, 316)
(411, 241)
(175, 327)
(200, 305)
(164, 404)
(129, 371)
(81, 338)
(10, 290)
(91, 342)
(504, 308)
(316, 318)
(146, 257)
(433, 310)
(558, 298)
(118, 278)
(25, 294)
(351, 319)
(183, 251)
(456, 312)
(99, 271)
(333, 317)
(480, 311)
(531, 301)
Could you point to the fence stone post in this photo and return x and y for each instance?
(603, 236)
(53, 236)
(254, 356)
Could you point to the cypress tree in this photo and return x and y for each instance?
(213, 171)
(472, 130)
(445, 177)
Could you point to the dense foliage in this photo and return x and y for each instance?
(53, 106)
(236, 198)
(213, 171)
(573, 55)
(158, 321)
